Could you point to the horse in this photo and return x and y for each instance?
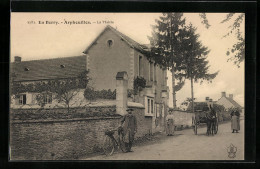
(211, 119)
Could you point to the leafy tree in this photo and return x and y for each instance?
(194, 64)
(187, 101)
(237, 52)
(165, 46)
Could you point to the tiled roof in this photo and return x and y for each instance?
(48, 68)
(140, 47)
(233, 102)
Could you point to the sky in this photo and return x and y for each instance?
(32, 41)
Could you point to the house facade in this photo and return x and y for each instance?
(27, 72)
(113, 52)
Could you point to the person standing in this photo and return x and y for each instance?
(235, 121)
(129, 125)
(170, 124)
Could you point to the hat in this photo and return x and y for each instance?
(129, 109)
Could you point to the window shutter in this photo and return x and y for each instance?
(24, 99)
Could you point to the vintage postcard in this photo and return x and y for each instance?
(127, 86)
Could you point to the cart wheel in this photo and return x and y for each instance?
(194, 124)
(108, 145)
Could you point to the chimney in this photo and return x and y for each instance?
(231, 96)
(223, 94)
(17, 59)
(207, 98)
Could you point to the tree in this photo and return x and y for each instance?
(237, 52)
(194, 65)
(165, 45)
(65, 90)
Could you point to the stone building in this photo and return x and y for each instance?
(34, 71)
(113, 52)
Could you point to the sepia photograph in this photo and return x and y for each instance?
(127, 86)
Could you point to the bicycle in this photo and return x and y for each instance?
(110, 143)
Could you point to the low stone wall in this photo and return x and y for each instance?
(182, 118)
(59, 139)
(54, 134)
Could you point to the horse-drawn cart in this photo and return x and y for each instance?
(209, 118)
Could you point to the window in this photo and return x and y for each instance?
(22, 99)
(163, 77)
(47, 99)
(151, 71)
(149, 106)
(110, 43)
(140, 67)
(152, 108)
(155, 72)
(157, 110)
(162, 110)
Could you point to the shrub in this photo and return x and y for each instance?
(91, 94)
(139, 84)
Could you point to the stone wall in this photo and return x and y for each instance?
(58, 140)
(53, 134)
(182, 118)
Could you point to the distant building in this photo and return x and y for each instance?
(228, 102)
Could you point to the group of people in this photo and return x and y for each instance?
(129, 125)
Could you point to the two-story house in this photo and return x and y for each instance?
(112, 52)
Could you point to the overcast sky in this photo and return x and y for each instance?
(41, 41)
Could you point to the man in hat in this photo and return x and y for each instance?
(129, 125)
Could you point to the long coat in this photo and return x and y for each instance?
(235, 121)
(129, 125)
(170, 125)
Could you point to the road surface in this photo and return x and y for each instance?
(184, 145)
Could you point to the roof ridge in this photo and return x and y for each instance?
(50, 58)
(232, 100)
(123, 34)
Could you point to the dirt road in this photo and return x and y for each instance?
(184, 145)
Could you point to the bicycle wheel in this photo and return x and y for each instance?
(122, 144)
(108, 146)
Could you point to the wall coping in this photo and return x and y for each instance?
(61, 120)
(135, 105)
